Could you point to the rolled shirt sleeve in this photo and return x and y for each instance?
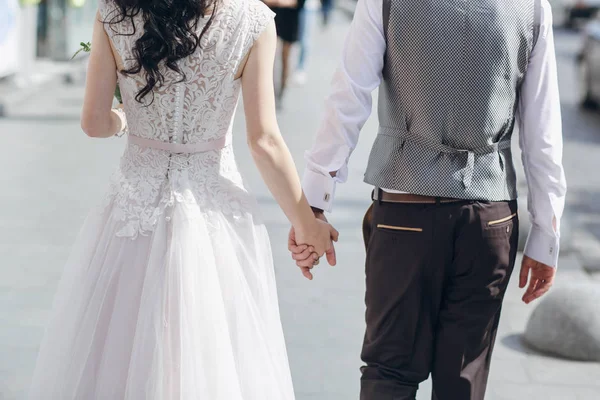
(348, 106)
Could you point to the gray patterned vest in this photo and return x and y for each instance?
(450, 91)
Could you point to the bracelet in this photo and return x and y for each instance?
(124, 127)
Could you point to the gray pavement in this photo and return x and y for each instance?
(53, 174)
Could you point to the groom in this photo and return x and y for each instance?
(454, 79)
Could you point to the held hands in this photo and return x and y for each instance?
(316, 242)
(541, 278)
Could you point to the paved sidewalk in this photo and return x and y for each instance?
(54, 174)
(14, 94)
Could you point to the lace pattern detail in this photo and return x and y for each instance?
(148, 182)
(201, 108)
(259, 17)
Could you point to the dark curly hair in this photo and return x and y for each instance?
(170, 34)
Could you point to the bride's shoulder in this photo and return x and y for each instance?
(107, 8)
(247, 7)
(258, 6)
(106, 5)
(257, 12)
(249, 14)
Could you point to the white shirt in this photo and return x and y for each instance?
(349, 106)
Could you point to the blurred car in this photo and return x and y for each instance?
(568, 12)
(589, 64)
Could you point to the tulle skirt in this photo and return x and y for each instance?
(188, 312)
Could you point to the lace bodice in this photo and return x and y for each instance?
(200, 108)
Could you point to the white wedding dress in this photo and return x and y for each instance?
(169, 293)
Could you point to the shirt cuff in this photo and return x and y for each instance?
(542, 247)
(319, 189)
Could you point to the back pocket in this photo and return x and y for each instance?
(502, 221)
(395, 228)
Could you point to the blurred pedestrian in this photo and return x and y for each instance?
(326, 10)
(307, 15)
(42, 29)
(287, 21)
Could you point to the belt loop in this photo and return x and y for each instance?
(438, 201)
(379, 195)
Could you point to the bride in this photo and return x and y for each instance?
(169, 292)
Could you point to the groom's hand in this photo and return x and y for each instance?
(304, 255)
(540, 276)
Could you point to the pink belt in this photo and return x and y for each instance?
(179, 148)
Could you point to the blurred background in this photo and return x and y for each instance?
(52, 174)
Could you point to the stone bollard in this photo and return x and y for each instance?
(567, 323)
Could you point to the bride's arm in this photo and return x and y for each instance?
(270, 153)
(98, 119)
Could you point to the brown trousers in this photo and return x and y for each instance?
(436, 277)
